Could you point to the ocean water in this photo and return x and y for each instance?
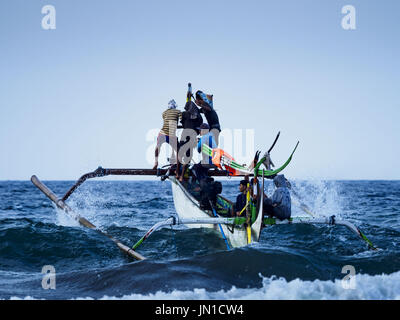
(289, 262)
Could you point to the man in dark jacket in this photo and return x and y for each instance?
(206, 106)
(241, 199)
(280, 205)
(191, 121)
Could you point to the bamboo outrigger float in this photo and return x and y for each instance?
(63, 206)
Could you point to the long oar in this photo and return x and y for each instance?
(62, 205)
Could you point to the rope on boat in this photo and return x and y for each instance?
(220, 227)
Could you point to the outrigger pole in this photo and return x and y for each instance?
(240, 221)
(101, 172)
(63, 206)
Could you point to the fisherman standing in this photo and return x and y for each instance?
(279, 205)
(200, 170)
(191, 122)
(206, 106)
(168, 131)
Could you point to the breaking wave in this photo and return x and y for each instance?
(366, 287)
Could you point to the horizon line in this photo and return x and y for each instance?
(219, 177)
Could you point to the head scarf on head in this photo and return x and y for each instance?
(172, 104)
(280, 181)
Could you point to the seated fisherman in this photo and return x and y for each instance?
(241, 199)
(209, 190)
(279, 205)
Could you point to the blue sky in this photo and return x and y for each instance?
(87, 93)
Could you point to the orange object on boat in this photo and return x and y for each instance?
(223, 161)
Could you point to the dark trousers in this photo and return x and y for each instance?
(268, 209)
(271, 211)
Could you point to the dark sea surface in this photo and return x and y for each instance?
(290, 261)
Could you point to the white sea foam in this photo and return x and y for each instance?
(88, 211)
(321, 197)
(64, 219)
(378, 287)
(26, 298)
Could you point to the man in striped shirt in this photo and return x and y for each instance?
(168, 131)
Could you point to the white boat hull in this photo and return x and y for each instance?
(187, 207)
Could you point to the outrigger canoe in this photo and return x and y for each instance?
(235, 231)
